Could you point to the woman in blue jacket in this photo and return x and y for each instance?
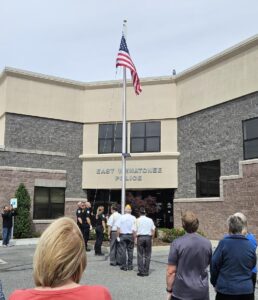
(232, 264)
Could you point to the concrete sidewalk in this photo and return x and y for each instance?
(34, 241)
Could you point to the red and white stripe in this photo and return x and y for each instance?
(124, 60)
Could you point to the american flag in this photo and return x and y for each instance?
(124, 60)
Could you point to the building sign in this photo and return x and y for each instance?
(132, 174)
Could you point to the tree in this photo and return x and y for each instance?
(23, 221)
(149, 203)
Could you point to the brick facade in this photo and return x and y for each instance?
(11, 177)
(70, 209)
(214, 133)
(238, 193)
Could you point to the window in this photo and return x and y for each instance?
(48, 203)
(250, 132)
(207, 179)
(110, 138)
(145, 137)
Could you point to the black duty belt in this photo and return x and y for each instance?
(126, 234)
(143, 235)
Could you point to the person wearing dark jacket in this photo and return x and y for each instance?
(7, 214)
(85, 224)
(232, 264)
(100, 230)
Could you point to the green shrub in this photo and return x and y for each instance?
(93, 235)
(168, 235)
(23, 221)
(36, 234)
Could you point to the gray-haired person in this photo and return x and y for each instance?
(232, 264)
(188, 260)
(112, 234)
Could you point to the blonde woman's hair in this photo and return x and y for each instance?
(60, 254)
(100, 210)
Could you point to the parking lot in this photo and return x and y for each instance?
(16, 273)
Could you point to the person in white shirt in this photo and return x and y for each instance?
(112, 234)
(125, 234)
(145, 230)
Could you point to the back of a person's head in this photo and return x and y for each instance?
(87, 204)
(128, 209)
(142, 211)
(244, 219)
(235, 225)
(114, 207)
(60, 254)
(190, 222)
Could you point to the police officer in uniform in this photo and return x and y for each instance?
(145, 230)
(84, 220)
(112, 234)
(125, 234)
(100, 230)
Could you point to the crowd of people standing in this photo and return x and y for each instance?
(232, 265)
(124, 231)
(60, 257)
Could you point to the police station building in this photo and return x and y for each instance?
(192, 139)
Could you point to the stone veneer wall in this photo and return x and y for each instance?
(10, 179)
(32, 142)
(70, 209)
(238, 193)
(211, 134)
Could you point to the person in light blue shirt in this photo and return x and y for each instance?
(251, 238)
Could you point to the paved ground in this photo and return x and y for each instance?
(17, 273)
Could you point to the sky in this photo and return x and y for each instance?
(79, 39)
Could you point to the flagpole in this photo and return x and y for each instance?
(124, 137)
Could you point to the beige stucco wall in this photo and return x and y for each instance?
(85, 103)
(157, 101)
(2, 130)
(44, 99)
(2, 109)
(151, 170)
(148, 172)
(2, 95)
(228, 78)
